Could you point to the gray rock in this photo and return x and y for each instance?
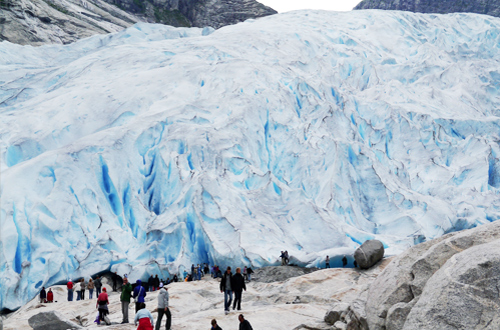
(435, 6)
(462, 294)
(335, 313)
(339, 325)
(369, 253)
(406, 277)
(279, 273)
(51, 321)
(38, 22)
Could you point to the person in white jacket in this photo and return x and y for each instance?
(163, 308)
(144, 318)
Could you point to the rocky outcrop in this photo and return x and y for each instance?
(51, 321)
(38, 22)
(447, 283)
(279, 273)
(488, 7)
(369, 253)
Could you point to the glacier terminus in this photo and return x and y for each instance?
(153, 148)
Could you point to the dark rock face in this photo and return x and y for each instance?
(369, 253)
(51, 321)
(38, 22)
(279, 273)
(488, 7)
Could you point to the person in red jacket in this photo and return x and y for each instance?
(50, 296)
(102, 306)
(70, 290)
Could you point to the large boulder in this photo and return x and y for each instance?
(51, 321)
(369, 253)
(440, 284)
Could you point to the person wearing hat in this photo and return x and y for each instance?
(163, 308)
(125, 298)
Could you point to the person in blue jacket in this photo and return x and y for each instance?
(139, 295)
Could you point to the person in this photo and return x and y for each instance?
(249, 273)
(185, 275)
(156, 283)
(282, 256)
(245, 273)
(82, 289)
(225, 287)
(43, 295)
(69, 285)
(287, 258)
(215, 326)
(344, 261)
(206, 270)
(102, 306)
(90, 286)
(244, 324)
(50, 296)
(199, 272)
(144, 318)
(327, 262)
(151, 284)
(238, 285)
(98, 286)
(139, 295)
(125, 299)
(192, 269)
(175, 278)
(355, 263)
(163, 308)
(115, 278)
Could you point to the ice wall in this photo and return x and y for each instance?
(155, 148)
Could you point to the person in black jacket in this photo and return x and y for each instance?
(215, 326)
(244, 324)
(156, 283)
(151, 283)
(43, 295)
(226, 288)
(238, 285)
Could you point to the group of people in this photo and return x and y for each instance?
(244, 324)
(285, 258)
(80, 286)
(344, 262)
(46, 297)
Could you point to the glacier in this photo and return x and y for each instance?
(153, 148)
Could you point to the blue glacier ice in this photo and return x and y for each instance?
(150, 149)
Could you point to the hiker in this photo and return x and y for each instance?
(215, 326)
(163, 308)
(156, 283)
(151, 283)
(327, 262)
(238, 285)
(344, 261)
(206, 270)
(355, 263)
(244, 324)
(90, 286)
(144, 318)
(139, 295)
(69, 286)
(82, 289)
(175, 278)
(98, 286)
(225, 287)
(249, 273)
(115, 278)
(245, 273)
(43, 295)
(125, 299)
(287, 258)
(50, 296)
(282, 256)
(102, 307)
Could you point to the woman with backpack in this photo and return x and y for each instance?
(102, 307)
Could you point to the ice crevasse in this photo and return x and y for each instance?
(154, 148)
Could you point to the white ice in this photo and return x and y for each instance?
(154, 148)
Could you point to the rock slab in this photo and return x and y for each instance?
(51, 321)
(369, 253)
